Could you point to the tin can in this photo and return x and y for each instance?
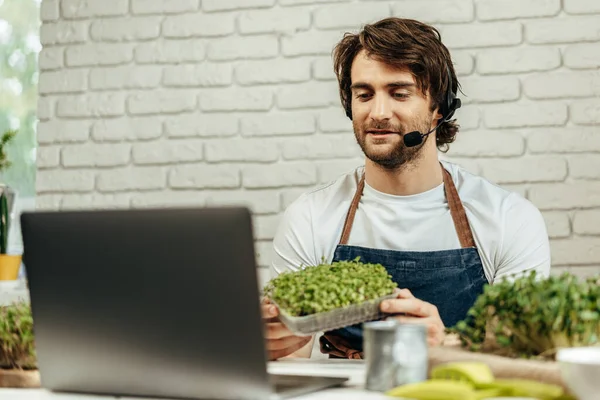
(395, 354)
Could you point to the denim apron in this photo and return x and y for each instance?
(449, 279)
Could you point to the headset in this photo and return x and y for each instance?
(447, 109)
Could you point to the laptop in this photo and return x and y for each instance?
(151, 302)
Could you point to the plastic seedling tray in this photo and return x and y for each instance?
(334, 319)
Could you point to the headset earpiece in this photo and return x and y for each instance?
(456, 103)
(452, 102)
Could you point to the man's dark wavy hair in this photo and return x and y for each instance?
(403, 43)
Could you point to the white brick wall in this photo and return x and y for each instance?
(188, 102)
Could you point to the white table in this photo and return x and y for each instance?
(40, 394)
(352, 390)
(12, 291)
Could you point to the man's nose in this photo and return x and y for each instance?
(382, 108)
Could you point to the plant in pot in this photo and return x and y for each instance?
(18, 362)
(9, 263)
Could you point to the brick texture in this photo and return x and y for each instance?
(49, 10)
(447, 11)
(580, 56)
(234, 102)
(95, 155)
(266, 72)
(509, 9)
(511, 60)
(163, 7)
(125, 77)
(558, 224)
(224, 5)
(587, 222)
(459, 36)
(77, 9)
(126, 29)
(349, 15)
(202, 25)
(51, 58)
(267, 21)
(99, 54)
(562, 30)
(581, 6)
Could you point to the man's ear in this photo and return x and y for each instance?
(437, 115)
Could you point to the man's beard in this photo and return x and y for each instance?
(398, 156)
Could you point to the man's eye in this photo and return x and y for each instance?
(401, 95)
(363, 95)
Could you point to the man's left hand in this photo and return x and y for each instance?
(416, 311)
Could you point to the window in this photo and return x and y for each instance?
(19, 50)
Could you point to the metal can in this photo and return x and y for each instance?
(395, 354)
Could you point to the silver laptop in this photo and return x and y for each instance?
(152, 302)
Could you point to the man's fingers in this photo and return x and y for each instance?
(432, 328)
(265, 300)
(405, 294)
(417, 321)
(435, 332)
(287, 343)
(410, 306)
(277, 354)
(277, 330)
(269, 311)
(286, 351)
(412, 320)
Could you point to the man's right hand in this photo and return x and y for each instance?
(281, 342)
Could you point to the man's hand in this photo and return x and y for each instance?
(281, 342)
(416, 311)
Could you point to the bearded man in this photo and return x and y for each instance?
(441, 232)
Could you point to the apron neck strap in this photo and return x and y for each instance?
(352, 211)
(457, 211)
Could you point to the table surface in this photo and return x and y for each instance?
(12, 291)
(41, 394)
(352, 390)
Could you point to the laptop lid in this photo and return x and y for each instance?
(148, 302)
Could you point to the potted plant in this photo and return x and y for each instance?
(9, 263)
(18, 362)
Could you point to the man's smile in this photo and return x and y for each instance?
(381, 132)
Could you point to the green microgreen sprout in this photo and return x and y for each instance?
(329, 286)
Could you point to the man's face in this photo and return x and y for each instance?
(387, 104)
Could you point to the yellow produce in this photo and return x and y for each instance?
(489, 393)
(470, 380)
(476, 373)
(527, 388)
(435, 389)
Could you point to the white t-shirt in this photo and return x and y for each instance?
(509, 231)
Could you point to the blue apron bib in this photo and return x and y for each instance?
(449, 279)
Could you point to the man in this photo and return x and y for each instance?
(441, 232)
